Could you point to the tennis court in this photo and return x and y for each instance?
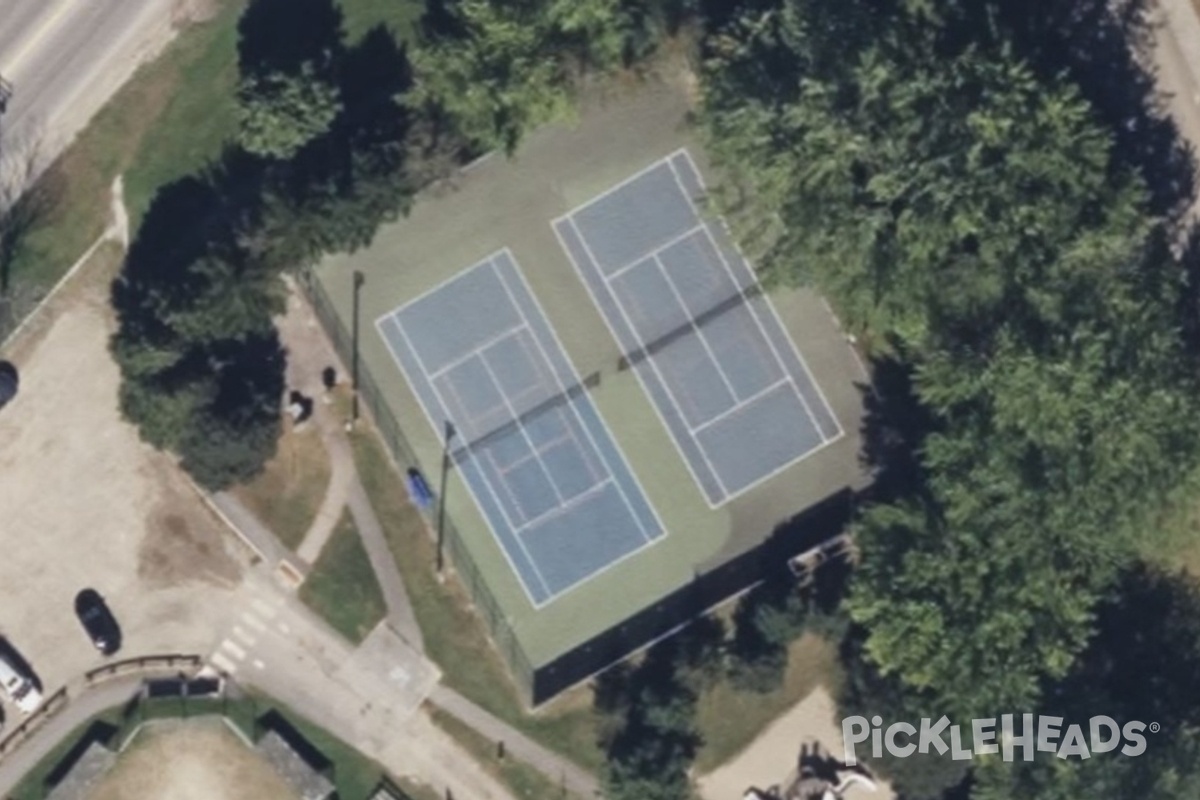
(706, 345)
(538, 460)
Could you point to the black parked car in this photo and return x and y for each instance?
(8, 382)
(98, 621)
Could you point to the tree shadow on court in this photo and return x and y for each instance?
(282, 35)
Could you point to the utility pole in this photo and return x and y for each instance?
(447, 435)
(358, 282)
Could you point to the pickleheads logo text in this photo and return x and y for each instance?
(1101, 734)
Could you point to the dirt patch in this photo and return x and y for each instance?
(771, 759)
(85, 503)
(287, 494)
(183, 545)
(188, 12)
(200, 760)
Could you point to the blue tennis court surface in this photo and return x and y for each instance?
(709, 350)
(528, 442)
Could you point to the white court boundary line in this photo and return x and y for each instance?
(570, 503)
(460, 360)
(563, 421)
(524, 432)
(825, 442)
(517, 530)
(774, 350)
(648, 358)
(437, 429)
(766, 299)
(646, 170)
(508, 520)
(757, 321)
(534, 450)
(692, 231)
(699, 334)
(708, 423)
(608, 323)
(575, 411)
(663, 532)
(703, 223)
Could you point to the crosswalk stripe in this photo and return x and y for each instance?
(258, 663)
(253, 621)
(241, 634)
(264, 608)
(223, 664)
(233, 649)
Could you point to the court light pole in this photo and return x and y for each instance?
(358, 282)
(447, 435)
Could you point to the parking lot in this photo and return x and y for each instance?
(83, 503)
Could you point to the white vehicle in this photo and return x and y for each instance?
(19, 688)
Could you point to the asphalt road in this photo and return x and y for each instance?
(62, 59)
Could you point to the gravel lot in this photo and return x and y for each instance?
(83, 503)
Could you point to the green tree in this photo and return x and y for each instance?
(497, 70)
(280, 112)
(497, 79)
(651, 751)
(969, 214)
(202, 372)
(657, 769)
(1143, 664)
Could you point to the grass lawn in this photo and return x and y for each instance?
(729, 720)
(521, 779)
(174, 116)
(400, 16)
(342, 587)
(454, 637)
(288, 493)
(151, 129)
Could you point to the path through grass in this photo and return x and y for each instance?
(288, 493)
(523, 780)
(171, 119)
(454, 636)
(342, 587)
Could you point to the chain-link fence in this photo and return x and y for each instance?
(498, 623)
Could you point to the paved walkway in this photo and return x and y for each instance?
(577, 780)
(250, 530)
(301, 333)
(78, 710)
(400, 614)
(340, 475)
(309, 354)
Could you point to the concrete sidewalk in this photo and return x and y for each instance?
(79, 709)
(575, 779)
